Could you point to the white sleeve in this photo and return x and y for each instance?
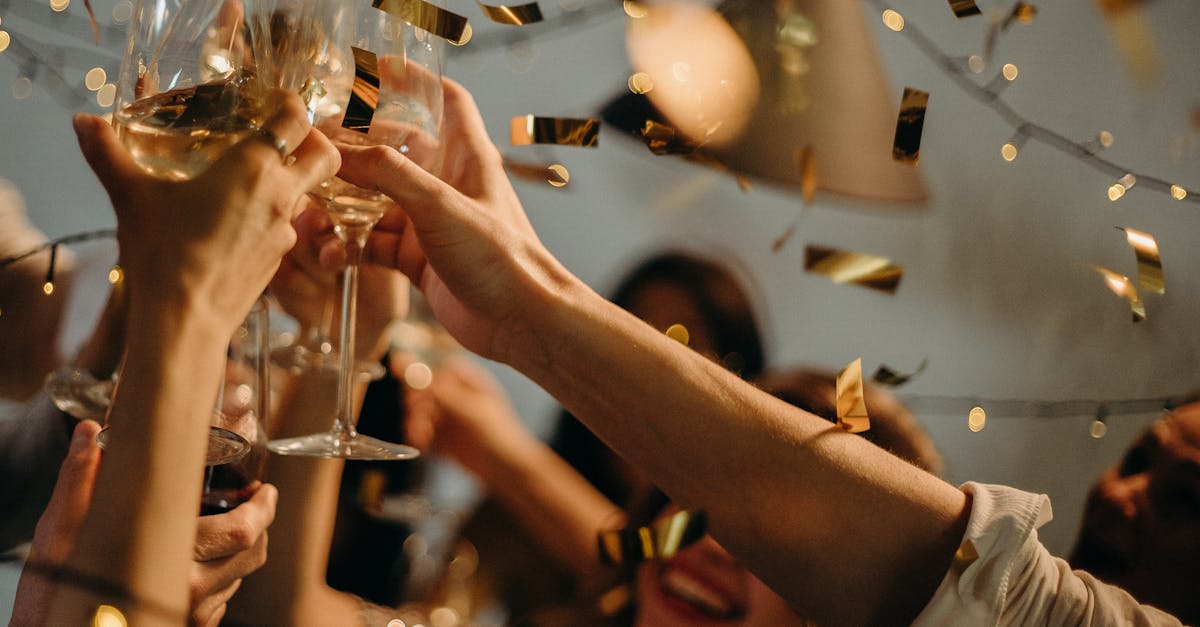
(1002, 575)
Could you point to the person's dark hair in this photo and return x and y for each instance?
(893, 428)
(728, 312)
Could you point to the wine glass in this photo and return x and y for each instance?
(192, 83)
(313, 348)
(404, 64)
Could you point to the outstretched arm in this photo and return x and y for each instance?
(847, 533)
(192, 272)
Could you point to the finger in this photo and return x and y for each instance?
(222, 535)
(214, 575)
(105, 154)
(315, 160)
(314, 230)
(76, 479)
(293, 283)
(211, 609)
(384, 169)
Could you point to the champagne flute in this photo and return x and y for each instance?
(404, 110)
(191, 85)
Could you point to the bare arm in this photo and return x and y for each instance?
(845, 532)
(191, 274)
(469, 418)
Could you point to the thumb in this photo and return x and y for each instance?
(104, 153)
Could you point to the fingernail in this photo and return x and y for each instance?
(81, 438)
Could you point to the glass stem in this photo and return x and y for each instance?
(355, 238)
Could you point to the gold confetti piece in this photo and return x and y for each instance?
(782, 240)
(1145, 248)
(615, 600)
(851, 408)
(1123, 287)
(965, 555)
(531, 129)
(557, 175)
(964, 8)
(679, 333)
(662, 539)
(842, 266)
(907, 145)
(976, 419)
(1134, 38)
(518, 15)
(808, 191)
(364, 96)
(886, 376)
(450, 26)
(554, 174)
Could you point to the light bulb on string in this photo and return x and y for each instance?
(1099, 426)
(1117, 190)
(48, 286)
(1007, 74)
(1178, 192)
(1013, 146)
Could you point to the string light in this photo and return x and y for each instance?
(115, 275)
(1012, 147)
(48, 286)
(893, 20)
(1099, 428)
(1009, 71)
(989, 95)
(976, 419)
(95, 78)
(976, 64)
(4, 39)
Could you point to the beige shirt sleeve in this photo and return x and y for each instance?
(1002, 575)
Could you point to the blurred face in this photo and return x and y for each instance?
(1141, 525)
(703, 585)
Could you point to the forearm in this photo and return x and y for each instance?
(551, 500)
(846, 532)
(141, 525)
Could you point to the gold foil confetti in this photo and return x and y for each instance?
(364, 96)
(851, 408)
(907, 145)
(1150, 272)
(1134, 38)
(976, 419)
(557, 175)
(531, 129)
(662, 539)
(615, 600)
(964, 556)
(886, 376)
(1123, 287)
(518, 15)
(808, 191)
(679, 333)
(842, 266)
(449, 26)
(964, 8)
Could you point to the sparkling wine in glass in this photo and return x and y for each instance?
(397, 101)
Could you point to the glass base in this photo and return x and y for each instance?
(325, 445)
(298, 358)
(224, 446)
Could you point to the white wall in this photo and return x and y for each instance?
(996, 293)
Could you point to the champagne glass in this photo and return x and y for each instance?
(404, 63)
(192, 84)
(313, 348)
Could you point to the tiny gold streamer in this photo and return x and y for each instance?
(886, 376)
(364, 95)
(450, 26)
(964, 8)
(1123, 287)
(518, 15)
(851, 408)
(1150, 270)
(661, 539)
(907, 144)
(531, 129)
(842, 266)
